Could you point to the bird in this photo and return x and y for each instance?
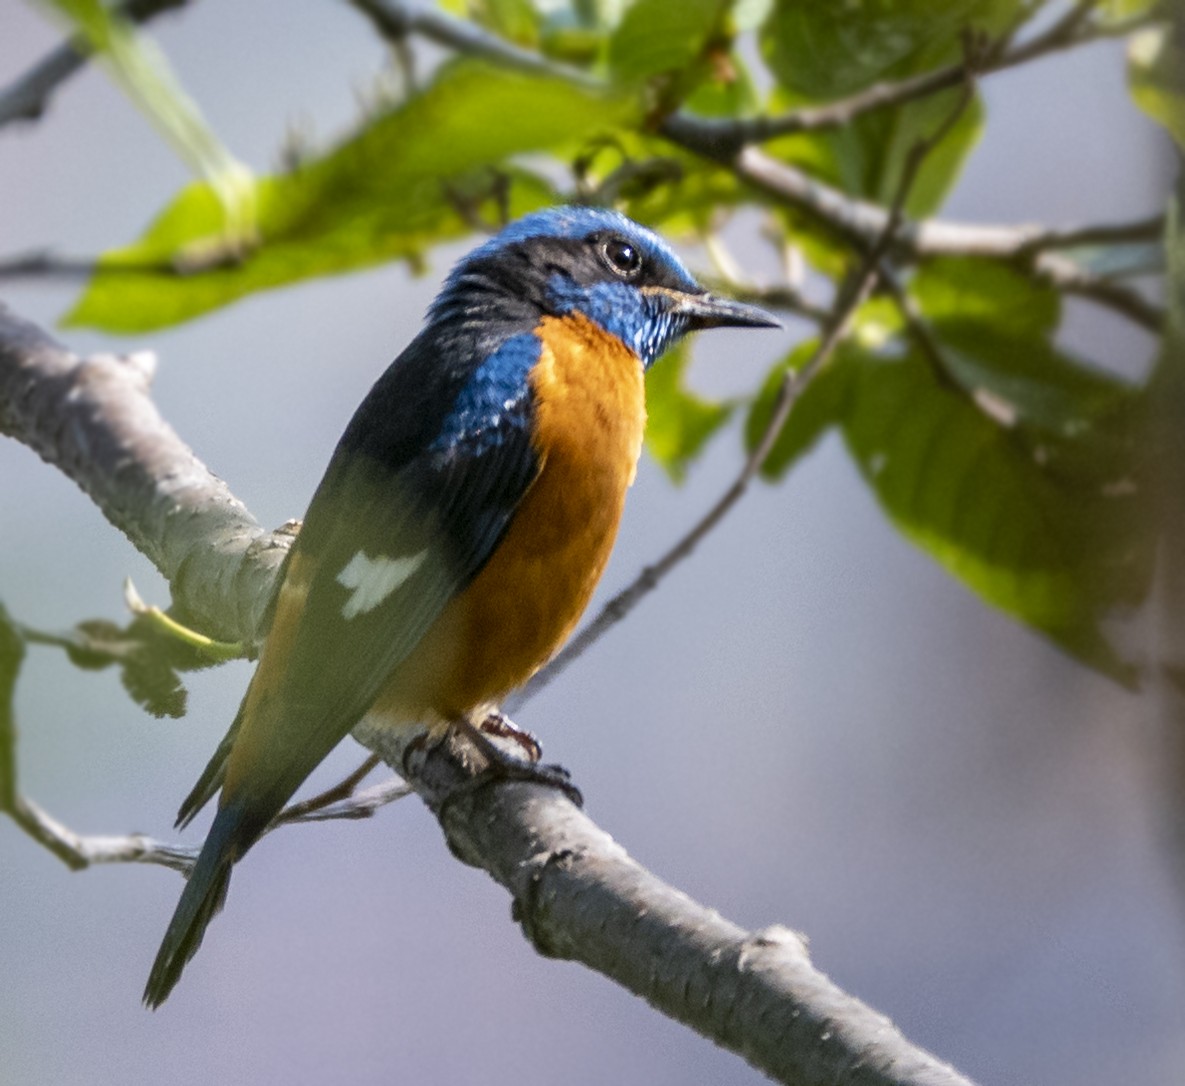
(462, 523)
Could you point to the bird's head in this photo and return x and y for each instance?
(594, 262)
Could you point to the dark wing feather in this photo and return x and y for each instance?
(401, 483)
(393, 490)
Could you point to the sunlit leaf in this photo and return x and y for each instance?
(1156, 71)
(516, 20)
(141, 69)
(656, 36)
(393, 190)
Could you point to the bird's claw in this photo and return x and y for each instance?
(499, 725)
(501, 765)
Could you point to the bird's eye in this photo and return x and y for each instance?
(622, 257)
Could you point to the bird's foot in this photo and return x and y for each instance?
(502, 765)
(499, 725)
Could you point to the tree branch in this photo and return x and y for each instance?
(859, 223)
(397, 20)
(78, 851)
(1073, 29)
(838, 323)
(856, 221)
(93, 419)
(579, 896)
(576, 892)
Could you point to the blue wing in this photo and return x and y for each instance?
(421, 489)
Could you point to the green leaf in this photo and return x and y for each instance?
(516, 20)
(1055, 551)
(141, 69)
(656, 37)
(994, 329)
(391, 191)
(1156, 72)
(986, 290)
(679, 422)
(821, 49)
(869, 155)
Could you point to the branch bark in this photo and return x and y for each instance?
(93, 419)
(576, 892)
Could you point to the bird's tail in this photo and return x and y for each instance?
(202, 899)
(212, 776)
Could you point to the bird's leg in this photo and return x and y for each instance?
(498, 724)
(502, 765)
(344, 789)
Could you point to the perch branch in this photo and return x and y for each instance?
(93, 419)
(576, 891)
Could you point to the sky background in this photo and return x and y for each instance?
(810, 724)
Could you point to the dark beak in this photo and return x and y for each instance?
(708, 311)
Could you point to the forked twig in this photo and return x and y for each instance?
(855, 293)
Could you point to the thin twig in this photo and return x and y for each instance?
(342, 790)
(395, 20)
(79, 851)
(1069, 277)
(857, 291)
(1068, 32)
(44, 265)
(1073, 237)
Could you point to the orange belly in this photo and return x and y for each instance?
(528, 598)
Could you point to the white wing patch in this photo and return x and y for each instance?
(372, 580)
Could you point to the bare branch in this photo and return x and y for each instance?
(577, 893)
(1150, 229)
(27, 98)
(78, 851)
(579, 896)
(93, 419)
(1065, 275)
(860, 223)
(42, 264)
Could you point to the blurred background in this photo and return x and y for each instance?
(809, 724)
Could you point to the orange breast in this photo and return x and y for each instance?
(530, 595)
